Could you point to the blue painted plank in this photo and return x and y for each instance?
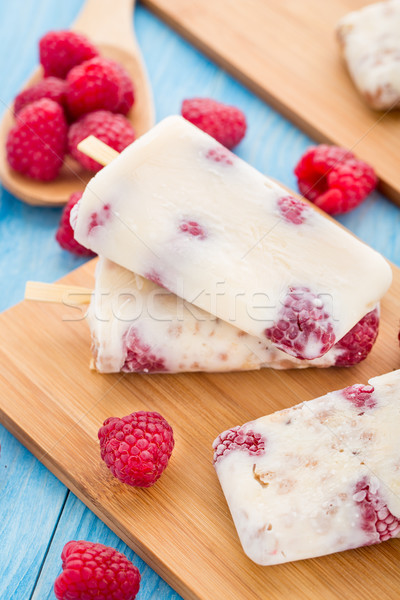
(31, 500)
(79, 523)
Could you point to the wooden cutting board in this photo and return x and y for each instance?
(53, 403)
(286, 52)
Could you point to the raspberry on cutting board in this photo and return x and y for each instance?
(98, 84)
(50, 87)
(334, 179)
(95, 572)
(60, 51)
(227, 124)
(36, 144)
(136, 448)
(65, 234)
(114, 130)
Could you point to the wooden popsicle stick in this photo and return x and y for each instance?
(98, 150)
(54, 292)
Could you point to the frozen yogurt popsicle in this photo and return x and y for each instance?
(178, 208)
(138, 326)
(370, 42)
(321, 477)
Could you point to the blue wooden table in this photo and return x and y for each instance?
(38, 514)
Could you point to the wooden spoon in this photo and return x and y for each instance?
(108, 25)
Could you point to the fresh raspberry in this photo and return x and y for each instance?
(334, 179)
(304, 328)
(139, 357)
(136, 448)
(95, 572)
(238, 438)
(59, 51)
(375, 516)
(36, 144)
(127, 94)
(51, 87)
(114, 130)
(193, 228)
(227, 124)
(358, 342)
(293, 210)
(360, 395)
(65, 234)
(96, 84)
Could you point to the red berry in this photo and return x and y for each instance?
(65, 234)
(304, 329)
(334, 179)
(194, 229)
(360, 395)
(97, 84)
(238, 438)
(227, 124)
(357, 343)
(136, 448)
(114, 130)
(95, 572)
(59, 51)
(36, 144)
(127, 94)
(375, 517)
(51, 87)
(139, 356)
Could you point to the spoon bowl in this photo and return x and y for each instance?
(112, 32)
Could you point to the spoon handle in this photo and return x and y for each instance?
(108, 22)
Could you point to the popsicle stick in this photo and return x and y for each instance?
(54, 292)
(98, 150)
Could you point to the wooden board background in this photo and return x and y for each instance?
(286, 52)
(182, 527)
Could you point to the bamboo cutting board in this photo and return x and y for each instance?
(286, 52)
(53, 403)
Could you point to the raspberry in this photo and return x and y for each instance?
(37, 142)
(227, 124)
(59, 51)
(194, 229)
(96, 84)
(220, 155)
(65, 234)
(358, 342)
(114, 130)
(238, 439)
(374, 513)
(139, 358)
(293, 210)
(100, 218)
(127, 94)
(95, 572)
(304, 329)
(136, 448)
(334, 179)
(360, 395)
(51, 87)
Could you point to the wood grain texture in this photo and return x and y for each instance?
(286, 52)
(187, 504)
